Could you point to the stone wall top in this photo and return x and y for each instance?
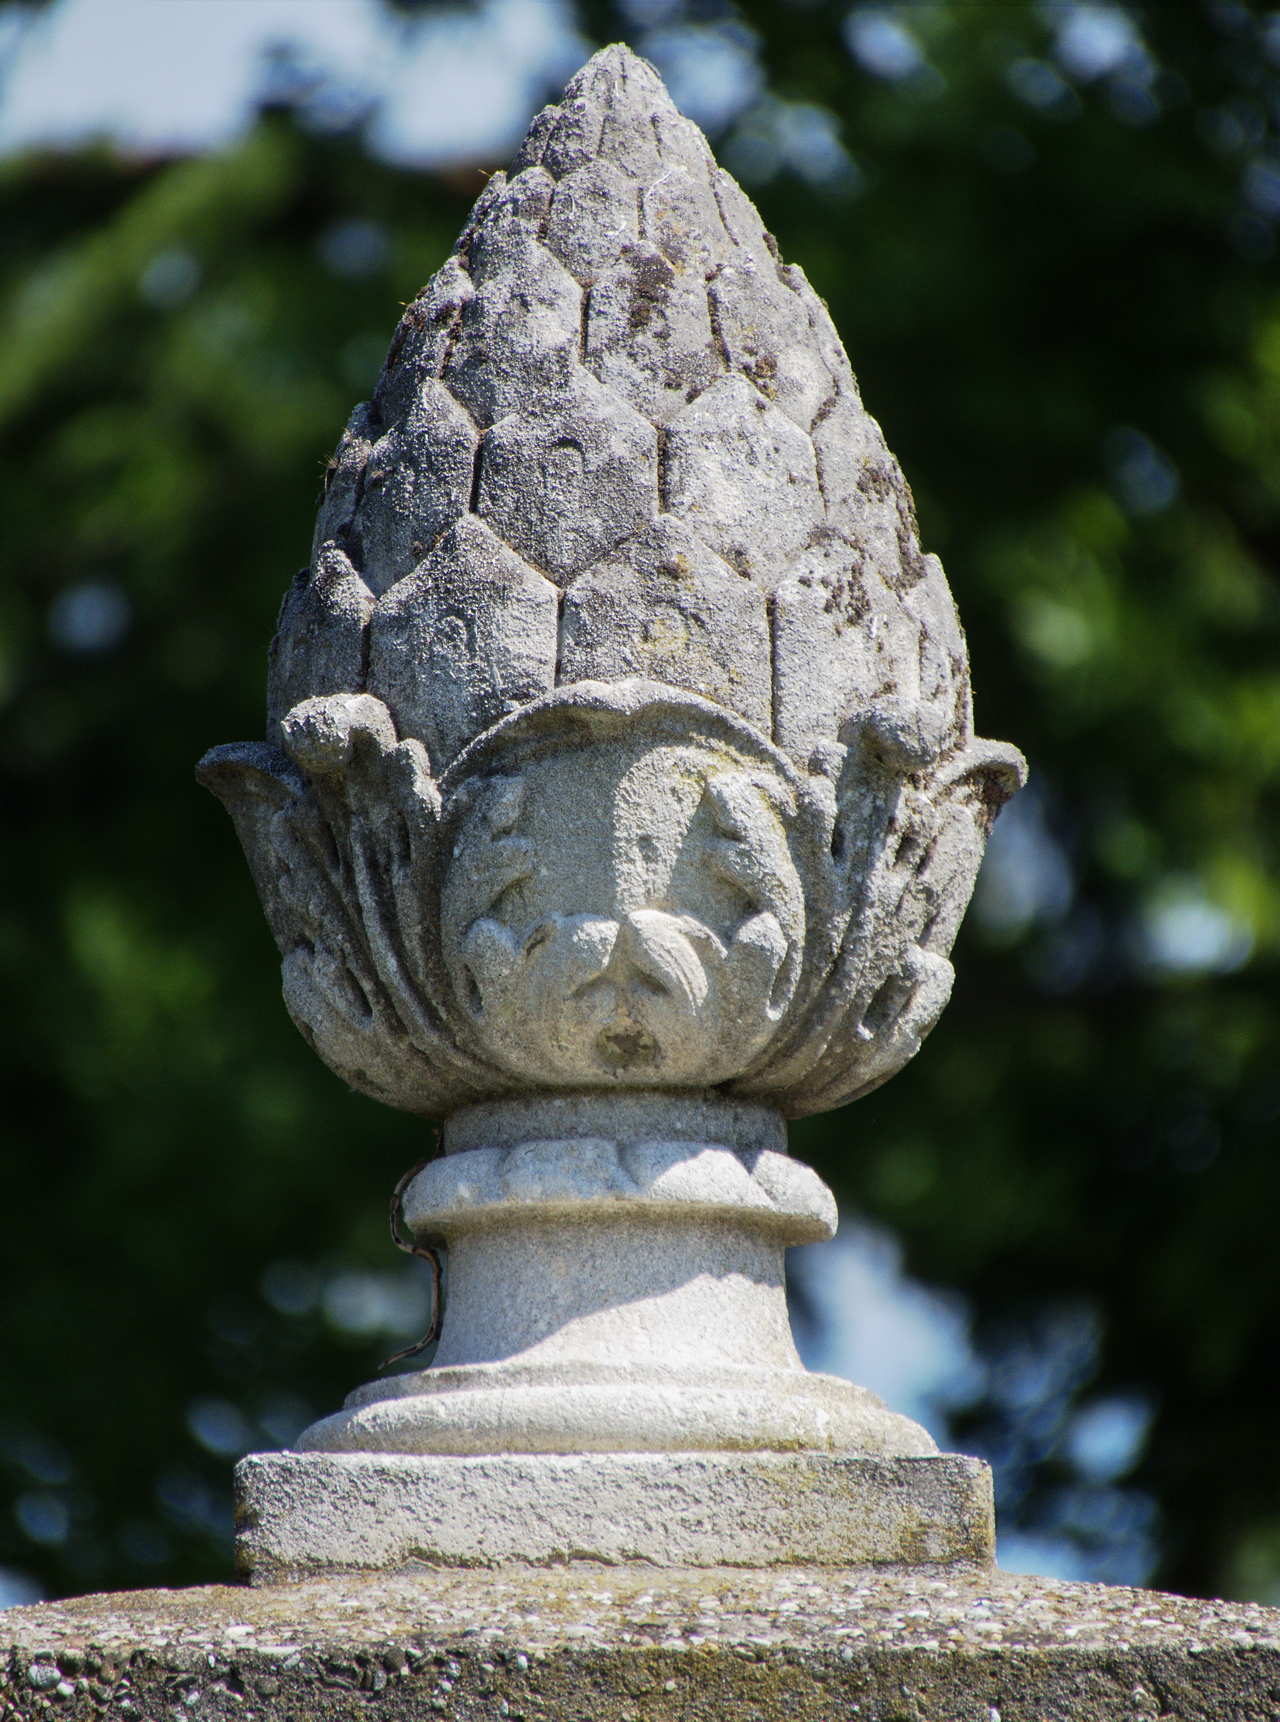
(611, 1643)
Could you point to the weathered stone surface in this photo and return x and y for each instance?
(763, 329)
(633, 1118)
(302, 1513)
(531, 151)
(518, 336)
(586, 1643)
(649, 334)
(481, 210)
(510, 1408)
(422, 340)
(755, 246)
(867, 498)
(512, 217)
(664, 606)
(417, 482)
(467, 637)
(565, 484)
(645, 1309)
(823, 334)
(815, 620)
(678, 212)
(638, 1407)
(607, 113)
(344, 479)
(548, 1176)
(863, 662)
(665, 944)
(593, 216)
(322, 638)
(743, 476)
(896, 667)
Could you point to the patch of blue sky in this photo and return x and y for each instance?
(179, 76)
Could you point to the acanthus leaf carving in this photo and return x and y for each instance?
(343, 831)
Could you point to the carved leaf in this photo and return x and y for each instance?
(345, 863)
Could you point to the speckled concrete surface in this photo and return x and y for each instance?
(632, 1643)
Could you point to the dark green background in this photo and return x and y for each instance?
(1087, 1147)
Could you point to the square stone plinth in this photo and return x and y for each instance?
(299, 1514)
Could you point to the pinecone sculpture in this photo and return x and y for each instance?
(619, 731)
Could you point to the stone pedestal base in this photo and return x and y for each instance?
(302, 1514)
(616, 1285)
(590, 1407)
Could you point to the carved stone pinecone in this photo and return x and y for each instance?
(616, 436)
(616, 444)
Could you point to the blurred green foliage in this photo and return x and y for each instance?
(1065, 312)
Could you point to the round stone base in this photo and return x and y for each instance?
(301, 1514)
(583, 1408)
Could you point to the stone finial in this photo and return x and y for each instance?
(619, 795)
(619, 731)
